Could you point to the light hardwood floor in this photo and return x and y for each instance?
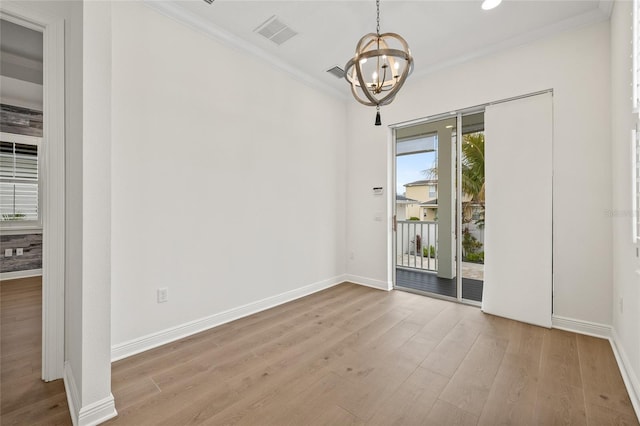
(24, 398)
(354, 355)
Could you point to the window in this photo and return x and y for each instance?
(19, 180)
(432, 191)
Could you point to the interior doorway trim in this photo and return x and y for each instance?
(53, 193)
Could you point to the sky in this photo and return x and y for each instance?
(410, 168)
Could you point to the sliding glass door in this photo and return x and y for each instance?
(439, 207)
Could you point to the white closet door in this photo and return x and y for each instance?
(518, 218)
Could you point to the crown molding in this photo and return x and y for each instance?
(588, 18)
(174, 11)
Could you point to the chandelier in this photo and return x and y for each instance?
(379, 68)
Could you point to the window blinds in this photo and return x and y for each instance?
(18, 181)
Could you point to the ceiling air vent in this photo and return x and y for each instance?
(275, 30)
(336, 72)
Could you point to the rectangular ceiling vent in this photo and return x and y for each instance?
(209, 1)
(336, 72)
(275, 30)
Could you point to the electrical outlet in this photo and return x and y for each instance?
(19, 252)
(621, 305)
(8, 252)
(163, 294)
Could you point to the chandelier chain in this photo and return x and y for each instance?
(378, 16)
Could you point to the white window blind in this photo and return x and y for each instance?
(18, 181)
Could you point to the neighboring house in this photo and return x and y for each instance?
(426, 192)
(429, 210)
(403, 204)
(423, 191)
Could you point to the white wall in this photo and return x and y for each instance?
(575, 65)
(86, 147)
(625, 263)
(96, 207)
(197, 127)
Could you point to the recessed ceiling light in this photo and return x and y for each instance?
(490, 4)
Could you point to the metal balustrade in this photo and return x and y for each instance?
(416, 244)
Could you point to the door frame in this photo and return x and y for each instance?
(53, 181)
(458, 114)
(391, 249)
(392, 198)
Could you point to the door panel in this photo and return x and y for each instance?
(518, 216)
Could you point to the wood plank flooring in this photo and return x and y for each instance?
(24, 398)
(355, 355)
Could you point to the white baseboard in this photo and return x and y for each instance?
(92, 414)
(20, 274)
(581, 327)
(73, 399)
(369, 282)
(153, 340)
(626, 370)
(98, 412)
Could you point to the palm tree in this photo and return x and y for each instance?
(473, 183)
(473, 166)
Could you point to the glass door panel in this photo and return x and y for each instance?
(425, 208)
(472, 206)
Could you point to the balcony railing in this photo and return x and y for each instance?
(416, 244)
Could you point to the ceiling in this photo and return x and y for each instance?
(439, 33)
(21, 41)
(20, 53)
(20, 66)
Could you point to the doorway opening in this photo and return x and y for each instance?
(33, 97)
(439, 207)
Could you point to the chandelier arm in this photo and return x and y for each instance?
(393, 92)
(384, 78)
(354, 82)
(363, 85)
